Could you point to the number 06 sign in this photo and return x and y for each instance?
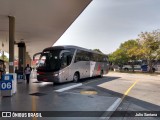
(6, 85)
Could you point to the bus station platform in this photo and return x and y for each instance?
(85, 101)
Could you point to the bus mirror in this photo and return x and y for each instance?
(36, 55)
(63, 51)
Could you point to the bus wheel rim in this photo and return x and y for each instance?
(75, 77)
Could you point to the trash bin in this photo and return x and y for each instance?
(14, 83)
(8, 84)
(20, 76)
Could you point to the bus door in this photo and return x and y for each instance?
(92, 68)
(66, 58)
(137, 67)
(87, 69)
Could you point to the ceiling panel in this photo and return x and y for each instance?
(39, 23)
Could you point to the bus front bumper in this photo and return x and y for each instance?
(48, 78)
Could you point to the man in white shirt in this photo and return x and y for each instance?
(27, 71)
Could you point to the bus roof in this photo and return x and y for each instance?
(71, 46)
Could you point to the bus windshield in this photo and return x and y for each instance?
(54, 60)
(50, 61)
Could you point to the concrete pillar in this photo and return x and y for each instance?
(27, 59)
(24, 57)
(11, 43)
(30, 61)
(21, 56)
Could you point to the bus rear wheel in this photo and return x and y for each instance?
(153, 69)
(76, 77)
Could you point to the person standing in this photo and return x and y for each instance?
(27, 71)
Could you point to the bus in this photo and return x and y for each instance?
(60, 64)
(137, 65)
(142, 65)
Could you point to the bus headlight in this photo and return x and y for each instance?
(56, 74)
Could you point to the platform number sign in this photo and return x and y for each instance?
(20, 77)
(6, 85)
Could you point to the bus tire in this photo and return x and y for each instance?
(126, 69)
(153, 69)
(76, 77)
(101, 74)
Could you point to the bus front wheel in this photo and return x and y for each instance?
(76, 77)
(126, 69)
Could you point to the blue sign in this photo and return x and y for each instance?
(6, 85)
(7, 77)
(20, 77)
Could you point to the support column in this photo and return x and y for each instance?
(11, 43)
(24, 57)
(27, 59)
(30, 61)
(21, 56)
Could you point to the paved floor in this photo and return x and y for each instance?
(144, 96)
(96, 94)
